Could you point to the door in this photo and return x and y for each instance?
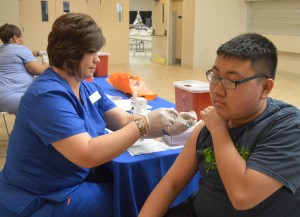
(36, 18)
(114, 16)
(177, 18)
(159, 37)
(36, 26)
(64, 6)
(91, 7)
(161, 40)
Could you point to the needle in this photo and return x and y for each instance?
(181, 120)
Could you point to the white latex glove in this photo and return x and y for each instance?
(41, 53)
(184, 121)
(161, 118)
(45, 59)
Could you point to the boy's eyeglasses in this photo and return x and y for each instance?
(227, 83)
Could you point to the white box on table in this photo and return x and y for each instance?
(178, 139)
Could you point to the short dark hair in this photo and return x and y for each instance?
(8, 31)
(254, 47)
(72, 35)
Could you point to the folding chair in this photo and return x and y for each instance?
(4, 118)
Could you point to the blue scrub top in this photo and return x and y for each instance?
(14, 77)
(49, 111)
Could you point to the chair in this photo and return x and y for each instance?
(5, 122)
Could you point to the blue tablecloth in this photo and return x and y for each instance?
(136, 176)
(156, 103)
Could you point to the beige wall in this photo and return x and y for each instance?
(213, 25)
(140, 5)
(188, 29)
(9, 12)
(202, 28)
(115, 32)
(177, 9)
(288, 52)
(206, 24)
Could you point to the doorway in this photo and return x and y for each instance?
(158, 36)
(140, 30)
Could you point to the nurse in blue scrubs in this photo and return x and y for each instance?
(18, 66)
(60, 133)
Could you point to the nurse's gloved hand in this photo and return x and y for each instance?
(189, 117)
(161, 118)
(41, 53)
(45, 59)
(184, 121)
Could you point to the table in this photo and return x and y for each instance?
(141, 38)
(139, 42)
(136, 176)
(156, 103)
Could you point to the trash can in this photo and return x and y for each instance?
(102, 67)
(191, 95)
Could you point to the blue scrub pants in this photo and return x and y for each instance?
(89, 200)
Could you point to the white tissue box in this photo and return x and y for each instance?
(178, 140)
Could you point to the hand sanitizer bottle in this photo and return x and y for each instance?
(133, 100)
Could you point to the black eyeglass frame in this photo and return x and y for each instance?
(235, 82)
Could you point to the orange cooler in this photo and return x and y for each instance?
(191, 95)
(102, 67)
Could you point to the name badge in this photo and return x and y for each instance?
(95, 97)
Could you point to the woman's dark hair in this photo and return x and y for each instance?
(254, 47)
(8, 31)
(73, 35)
